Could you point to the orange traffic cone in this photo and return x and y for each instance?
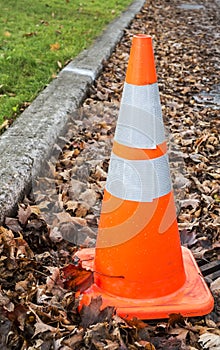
(139, 265)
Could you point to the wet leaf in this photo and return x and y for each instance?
(76, 278)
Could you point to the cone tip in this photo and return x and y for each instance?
(142, 36)
(141, 67)
(143, 39)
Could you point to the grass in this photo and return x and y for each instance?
(37, 38)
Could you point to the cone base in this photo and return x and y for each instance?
(193, 299)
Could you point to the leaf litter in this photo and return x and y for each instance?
(41, 282)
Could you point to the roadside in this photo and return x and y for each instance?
(25, 146)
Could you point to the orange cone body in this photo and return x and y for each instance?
(140, 267)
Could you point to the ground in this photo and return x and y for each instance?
(40, 280)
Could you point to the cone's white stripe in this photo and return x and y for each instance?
(140, 122)
(138, 180)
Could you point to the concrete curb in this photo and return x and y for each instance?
(28, 143)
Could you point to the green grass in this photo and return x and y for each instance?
(37, 38)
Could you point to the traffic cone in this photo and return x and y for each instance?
(139, 265)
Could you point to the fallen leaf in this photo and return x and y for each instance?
(55, 235)
(147, 345)
(176, 319)
(7, 34)
(89, 197)
(91, 314)
(25, 285)
(180, 333)
(59, 64)
(210, 341)
(8, 240)
(19, 315)
(76, 278)
(168, 344)
(54, 280)
(5, 124)
(22, 248)
(35, 210)
(5, 302)
(13, 224)
(215, 286)
(79, 235)
(24, 213)
(5, 328)
(41, 327)
(27, 35)
(73, 342)
(188, 238)
(191, 202)
(54, 47)
(71, 205)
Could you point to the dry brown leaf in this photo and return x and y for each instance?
(7, 34)
(4, 125)
(24, 286)
(191, 202)
(74, 341)
(59, 64)
(22, 248)
(54, 281)
(71, 205)
(54, 47)
(188, 238)
(215, 286)
(210, 341)
(180, 333)
(147, 345)
(89, 197)
(5, 302)
(13, 224)
(176, 319)
(24, 213)
(27, 35)
(91, 314)
(41, 327)
(55, 235)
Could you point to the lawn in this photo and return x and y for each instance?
(37, 39)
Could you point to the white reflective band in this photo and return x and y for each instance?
(138, 180)
(140, 122)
